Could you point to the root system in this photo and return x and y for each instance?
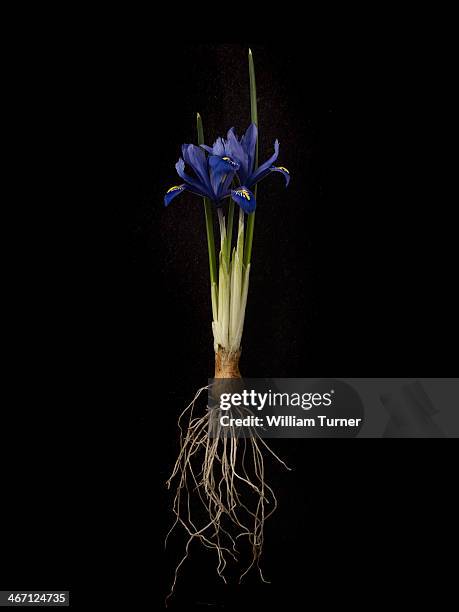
(221, 492)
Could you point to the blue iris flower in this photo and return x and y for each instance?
(213, 177)
(243, 151)
(227, 160)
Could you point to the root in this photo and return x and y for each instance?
(221, 493)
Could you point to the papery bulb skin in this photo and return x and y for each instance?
(227, 363)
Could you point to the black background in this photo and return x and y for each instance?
(352, 274)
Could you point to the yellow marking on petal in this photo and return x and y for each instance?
(244, 193)
(226, 158)
(282, 168)
(174, 188)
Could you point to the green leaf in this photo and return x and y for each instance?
(254, 117)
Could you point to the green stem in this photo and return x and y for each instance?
(254, 117)
(209, 215)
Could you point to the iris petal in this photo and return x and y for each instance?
(194, 185)
(222, 171)
(172, 193)
(244, 198)
(196, 158)
(219, 147)
(249, 142)
(283, 171)
(265, 168)
(239, 153)
(235, 146)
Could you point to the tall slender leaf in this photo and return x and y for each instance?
(254, 117)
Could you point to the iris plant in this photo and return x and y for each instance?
(227, 170)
